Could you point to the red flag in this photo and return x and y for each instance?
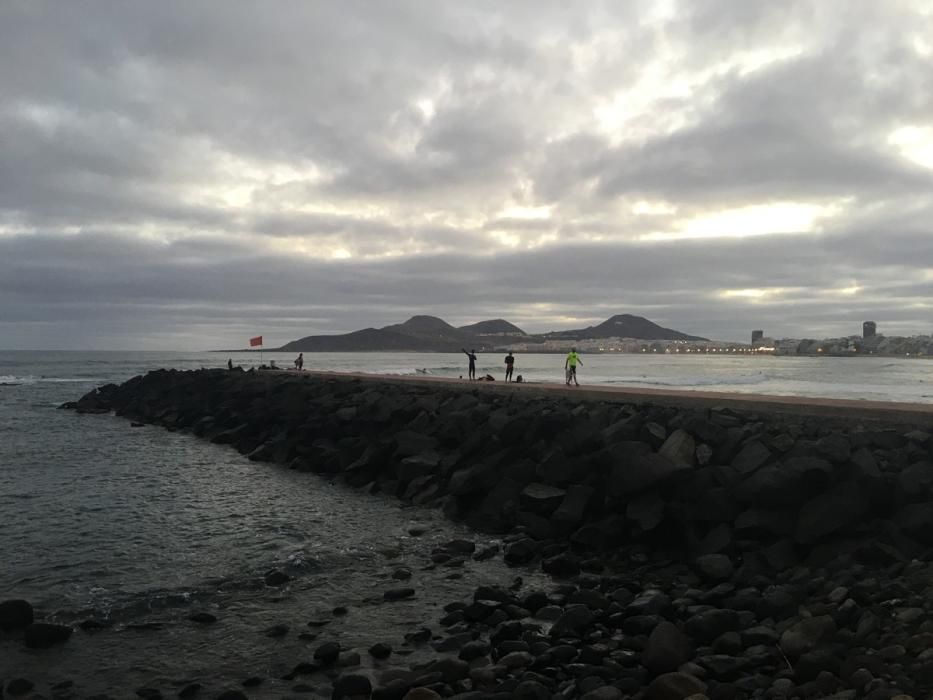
(253, 342)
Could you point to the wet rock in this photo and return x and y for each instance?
(606, 692)
(675, 686)
(421, 694)
(203, 618)
(834, 447)
(647, 511)
(680, 448)
(450, 670)
(398, 594)
(541, 499)
(667, 649)
(276, 631)
(252, 682)
(638, 472)
(327, 653)
(752, 456)
(563, 564)
(573, 509)
(521, 551)
(190, 690)
(830, 512)
(706, 626)
(380, 650)
(350, 685)
(15, 614)
(531, 690)
(486, 553)
(714, 567)
(149, 694)
(232, 695)
(42, 635)
(575, 619)
(19, 686)
(807, 635)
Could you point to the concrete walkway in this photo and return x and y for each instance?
(884, 411)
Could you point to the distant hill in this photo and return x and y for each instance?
(419, 333)
(432, 334)
(495, 327)
(625, 326)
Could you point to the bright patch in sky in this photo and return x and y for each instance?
(755, 220)
(751, 294)
(915, 143)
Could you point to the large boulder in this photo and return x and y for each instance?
(41, 635)
(352, 685)
(667, 649)
(830, 512)
(915, 483)
(752, 456)
(15, 614)
(573, 510)
(638, 472)
(680, 448)
(541, 499)
(675, 686)
(806, 635)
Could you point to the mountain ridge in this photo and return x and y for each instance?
(423, 333)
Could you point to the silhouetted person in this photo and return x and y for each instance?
(472, 356)
(300, 361)
(230, 364)
(509, 366)
(570, 366)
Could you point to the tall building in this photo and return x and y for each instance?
(869, 329)
(757, 336)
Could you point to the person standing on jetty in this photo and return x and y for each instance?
(509, 366)
(230, 364)
(570, 366)
(472, 356)
(300, 361)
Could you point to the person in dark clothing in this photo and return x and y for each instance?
(230, 364)
(509, 366)
(472, 356)
(300, 361)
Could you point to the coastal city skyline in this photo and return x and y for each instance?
(178, 178)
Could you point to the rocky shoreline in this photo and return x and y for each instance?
(696, 552)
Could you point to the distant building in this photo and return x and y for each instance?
(869, 329)
(757, 336)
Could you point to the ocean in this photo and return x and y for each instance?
(137, 528)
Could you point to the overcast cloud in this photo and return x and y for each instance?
(184, 175)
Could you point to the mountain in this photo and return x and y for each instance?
(624, 326)
(432, 334)
(419, 333)
(497, 326)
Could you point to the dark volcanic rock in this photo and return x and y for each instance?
(399, 593)
(41, 635)
(638, 472)
(351, 685)
(667, 649)
(541, 499)
(19, 686)
(675, 686)
(15, 614)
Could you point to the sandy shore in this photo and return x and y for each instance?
(886, 411)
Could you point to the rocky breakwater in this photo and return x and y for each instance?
(699, 552)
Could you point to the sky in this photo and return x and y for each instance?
(180, 175)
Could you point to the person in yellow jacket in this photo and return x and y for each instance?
(570, 366)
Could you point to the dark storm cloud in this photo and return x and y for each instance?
(175, 173)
